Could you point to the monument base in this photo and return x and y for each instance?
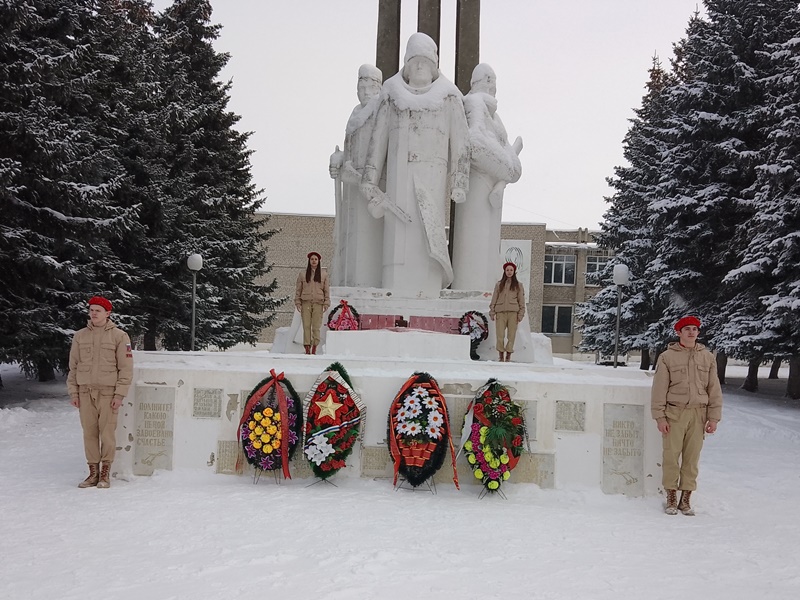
(588, 426)
(529, 347)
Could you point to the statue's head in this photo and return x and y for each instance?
(370, 80)
(421, 64)
(483, 80)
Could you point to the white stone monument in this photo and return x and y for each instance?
(358, 236)
(494, 164)
(421, 138)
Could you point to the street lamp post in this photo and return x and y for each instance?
(621, 277)
(195, 263)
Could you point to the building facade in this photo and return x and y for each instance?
(559, 262)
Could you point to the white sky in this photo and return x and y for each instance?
(569, 74)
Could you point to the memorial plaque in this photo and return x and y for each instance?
(376, 462)
(623, 449)
(207, 403)
(570, 416)
(227, 453)
(538, 468)
(154, 419)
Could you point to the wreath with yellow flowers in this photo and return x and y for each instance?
(334, 413)
(271, 424)
(493, 435)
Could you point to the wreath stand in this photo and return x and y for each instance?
(429, 483)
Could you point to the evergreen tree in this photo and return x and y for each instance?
(57, 182)
(763, 315)
(626, 232)
(205, 201)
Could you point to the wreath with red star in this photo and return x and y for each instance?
(334, 413)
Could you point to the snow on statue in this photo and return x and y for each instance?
(358, 236)
(421, 137)
(495, 163)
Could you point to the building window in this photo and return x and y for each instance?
(595, 264)
(556, 319)
(559, 268)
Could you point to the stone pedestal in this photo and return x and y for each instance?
(529, 347)
(588, 426)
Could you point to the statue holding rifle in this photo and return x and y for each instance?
(421, 138)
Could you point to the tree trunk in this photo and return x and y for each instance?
(1, 382)
(722, 364)
(751, 381)
(793, 383)
(644, 364)
(776, 366)
(150, 339)
(44, 370)
(655, 358)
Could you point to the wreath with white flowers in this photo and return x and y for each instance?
(476, 326)
(344, 318)
(334, 412)
(419, 430)
(271, 425)
(493, 435)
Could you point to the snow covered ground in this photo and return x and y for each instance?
(195, 535)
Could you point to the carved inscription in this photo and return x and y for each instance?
(227, 452)
(155, 414)
(623, 449)
(570, 416)
(207, 403)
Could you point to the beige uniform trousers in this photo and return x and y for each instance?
(312, 321)
(99, 422)
(682, 447)
(502, 321)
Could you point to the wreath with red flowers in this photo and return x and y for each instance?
(344, 318)
(493, 435)
(334, 412)
(271, 424)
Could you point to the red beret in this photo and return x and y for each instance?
(100, 301)
(312, 253)
(510, 264)
(686, 321)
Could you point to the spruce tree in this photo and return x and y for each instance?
(58, 178)
(763, 314)
(205, 201)
(626, 233)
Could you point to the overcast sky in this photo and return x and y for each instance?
(569, 74)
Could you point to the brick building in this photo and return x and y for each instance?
(559, 261)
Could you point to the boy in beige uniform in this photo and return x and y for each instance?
(686, 402)
(100, 373)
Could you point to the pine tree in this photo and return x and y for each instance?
(57, 182)
(626, 233)
(205, 201)
(763, 315)
(717, 140)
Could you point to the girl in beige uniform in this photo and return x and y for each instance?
(312, 297)
(507, 309)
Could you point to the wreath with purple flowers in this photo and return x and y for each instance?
(271, 425)
(493, 435)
